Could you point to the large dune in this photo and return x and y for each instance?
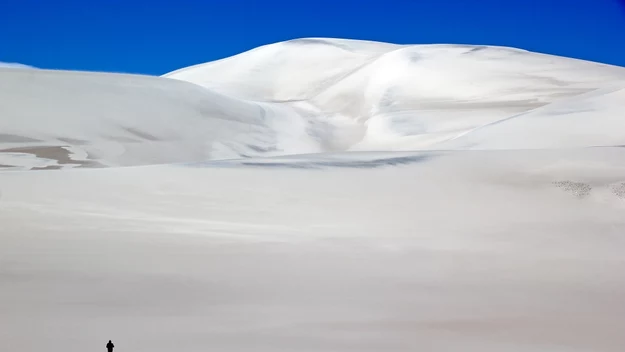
(309, 96)
(378, 96)
(316, 195)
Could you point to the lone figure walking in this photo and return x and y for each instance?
(110, 346)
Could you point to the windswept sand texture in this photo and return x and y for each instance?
(317, 195)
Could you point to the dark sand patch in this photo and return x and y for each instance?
(60, 154)
(618, 190)
(50, 167)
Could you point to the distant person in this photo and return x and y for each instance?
(110, 346)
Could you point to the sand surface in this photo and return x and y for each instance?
(316, 195)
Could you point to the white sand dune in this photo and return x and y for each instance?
(388, 97)
(125, 120)
(318, 95)
(316, 195)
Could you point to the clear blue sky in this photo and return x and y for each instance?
(157, 36)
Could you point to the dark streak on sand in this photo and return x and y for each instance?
(320, 164)
(73, 141)
(140, 134)
(60, 154)
(11, 138)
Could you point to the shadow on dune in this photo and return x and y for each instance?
(319, 164)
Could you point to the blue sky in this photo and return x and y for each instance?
(157, 36)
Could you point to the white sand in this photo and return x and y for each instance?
(509, 237)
